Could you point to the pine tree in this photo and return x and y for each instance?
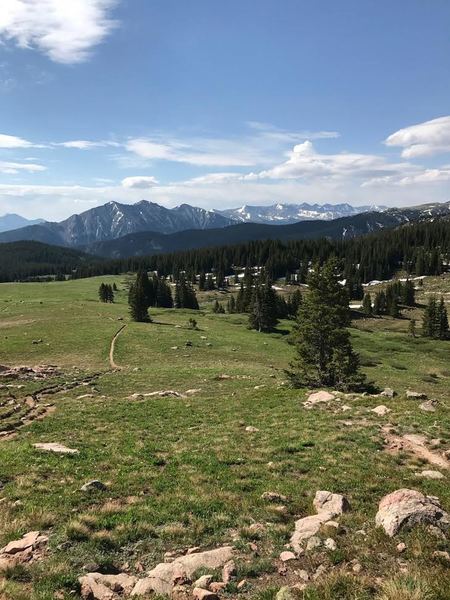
(231, 305)
(408, 293)
(293, 304)
(429, 318)
(102, 293)
(379, 303)
(442, 317)
(367, 305)
(412, 328)
(138, 301)
(324, 353)
(263, 315)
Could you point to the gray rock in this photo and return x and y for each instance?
(95, 484)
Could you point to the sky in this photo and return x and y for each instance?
(222, 103)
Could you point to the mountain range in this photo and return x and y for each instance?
(285, 214)
(115, 220)
(119, 230)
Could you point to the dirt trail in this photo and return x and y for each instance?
(111, 350)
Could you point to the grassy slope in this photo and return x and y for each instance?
(184, 472)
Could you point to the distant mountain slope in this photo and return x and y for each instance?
(284, 214)
(12, 221)
(114, 220)
(147, 243)
(18, 259)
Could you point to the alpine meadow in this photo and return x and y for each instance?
(224, 300)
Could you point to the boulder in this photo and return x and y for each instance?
(251, 429)
(318, 398)
(404, 508)
(203, 581)
(388, 393)
(330, 544)
(328, 506)
(164, 577)
(202, 594)
(333, 504)
(286, 556)
(428, 406)
(381, 410)
(228, 571)
(95, 484)
(97, 586)
(28, 548)
(415, 395)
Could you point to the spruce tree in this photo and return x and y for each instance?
(231, 305)
(324, 353)
(263, 315)
(367, 305)
(442, 317)
(138, 301)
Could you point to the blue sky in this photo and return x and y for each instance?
(222, 103)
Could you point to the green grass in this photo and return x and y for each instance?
(183, 471)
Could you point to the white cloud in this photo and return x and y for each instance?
(86, 144)
(425, 139)
(12, 168)
(140, 182)
(64, 30)
(305, 162)
(11, 141)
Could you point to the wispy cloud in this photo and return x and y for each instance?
(12, 168)
(12, 141)
(424, 139)
(86, 144)
(64, 30)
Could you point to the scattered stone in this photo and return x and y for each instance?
(415, 395)
(313, 543)
(333, 524)
(251, 429)
(29, 548)
(164, 577)
(217, 586)
(97, 586)
(381, 410)
(388, 393)
(357, 567)
(84, 396)
(192, 391)
(345, 408)
(318, 398)
(95, 484)
(241, 584)
(404, 508)
(430, 474)
(414, 443)
(174, 348)
(193, 550)
(401, 547)
(321, 570)
(304, 575)
(55, 447)
(273, 497)
(442, 555)
(284, 593)
(228, 571)
(330, 544)
(428, 406)
(203, 581)
(335, 504)
(163, 394)
(328, 506)
(202, 594)
(286, 556)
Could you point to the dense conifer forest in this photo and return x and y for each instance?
(419, 249)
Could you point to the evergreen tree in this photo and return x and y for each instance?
(263, 315)
(412, 330)
(324, 353)
(138, 301)
(367, 305)
(293, 304)
(442, 328)
(379, 303)
(231, 305)
(163, 294)
(429, 318)
(102, 293)
(408, 293)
